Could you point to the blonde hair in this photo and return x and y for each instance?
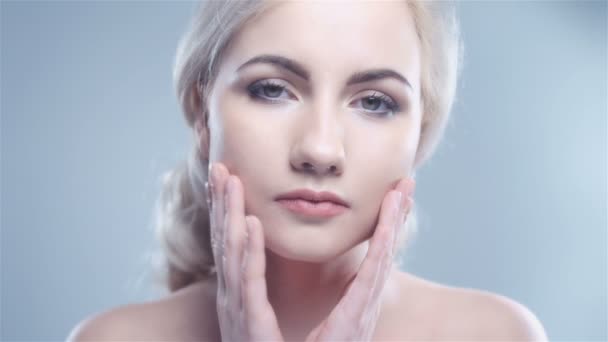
(182, 223)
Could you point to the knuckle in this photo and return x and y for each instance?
(377, 250)
(231, 242)
(266, 317)
(215, 237)
(222, 301)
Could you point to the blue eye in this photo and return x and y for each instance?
(268, 91)
(374, 102)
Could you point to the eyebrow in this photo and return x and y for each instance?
(300, 71)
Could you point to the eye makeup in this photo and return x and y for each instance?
(272, 91)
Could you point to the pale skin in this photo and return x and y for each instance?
(293, 283)
(245, 314)
(265, 119)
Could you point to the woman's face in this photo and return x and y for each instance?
(304, 119)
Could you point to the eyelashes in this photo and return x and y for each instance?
(269, 91)
(382, 99)
(266, 87)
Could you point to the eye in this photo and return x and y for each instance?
(379, 104)
(267, 91)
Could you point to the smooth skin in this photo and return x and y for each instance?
(244, 311)
(320, 126)
(323, 280)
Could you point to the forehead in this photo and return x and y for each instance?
(333, 36)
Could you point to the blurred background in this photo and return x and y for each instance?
(514, 201)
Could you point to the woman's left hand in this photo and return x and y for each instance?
(354, 317)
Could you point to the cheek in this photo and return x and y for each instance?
(250, 147)
(384, 156)
(379, 164)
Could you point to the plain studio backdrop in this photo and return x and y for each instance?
(514, 202)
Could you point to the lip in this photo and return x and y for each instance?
(315, 204)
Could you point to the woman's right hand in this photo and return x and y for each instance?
(244, 312)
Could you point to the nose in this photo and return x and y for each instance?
(319, 147)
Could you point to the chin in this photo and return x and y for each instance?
(308, 244)
(303, 254)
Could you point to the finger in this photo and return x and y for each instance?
(234, 236)
(219, 174)
(386, 264)
(406, 187)
(263, 322)
(358, 297)
(255, 269)
(400, 229)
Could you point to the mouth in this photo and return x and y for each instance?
(308, 203)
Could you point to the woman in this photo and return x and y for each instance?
(310, 120)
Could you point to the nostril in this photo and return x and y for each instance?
(307, 166)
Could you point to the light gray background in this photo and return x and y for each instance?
(514, 201)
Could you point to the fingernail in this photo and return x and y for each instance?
(398, 204)
(245, 260)
(208, 195)
(212, 175)
(247, 231)
(412, 187)
(396, 216)
(407, 194)
(228, 194)
(402, 201)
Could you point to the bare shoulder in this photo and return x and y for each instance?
(183, 315)
(472, 314)
(489, 316)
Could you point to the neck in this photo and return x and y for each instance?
(303, 294)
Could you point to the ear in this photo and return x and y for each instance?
(201, 133)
